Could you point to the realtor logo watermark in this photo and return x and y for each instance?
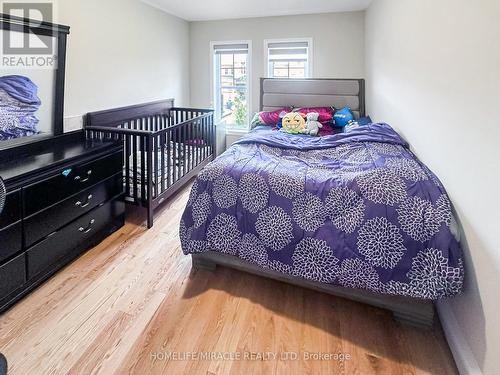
(28, 46)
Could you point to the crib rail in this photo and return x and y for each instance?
(163, 150)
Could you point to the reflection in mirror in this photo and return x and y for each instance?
(27, 93)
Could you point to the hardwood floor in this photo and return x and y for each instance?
(132, 301)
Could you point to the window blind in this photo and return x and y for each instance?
(221, 49)
(290, 51)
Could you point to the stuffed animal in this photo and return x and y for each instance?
(312, 123)
(293, 123)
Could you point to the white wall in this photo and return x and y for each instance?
(122, 52)
(433, 72)
(338, 40)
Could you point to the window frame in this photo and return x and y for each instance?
(213, 88)
(310, 54)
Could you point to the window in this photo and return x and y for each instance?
(231, 83)
(289, 58)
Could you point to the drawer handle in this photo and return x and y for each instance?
(88, 229)
(82, 180)
(86, 204)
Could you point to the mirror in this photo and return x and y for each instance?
(31, 80)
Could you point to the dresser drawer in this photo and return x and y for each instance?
(47, 221)
(10, 226)
(12, 209)
(12, 276)
(10, 240)
(73, 238)
(70, 181)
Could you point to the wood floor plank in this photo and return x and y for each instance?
(367, 334)
(115, 340)
(226, 309)
(134, 298)
(169, 322)
(238, 310)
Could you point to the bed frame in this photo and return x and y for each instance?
(159, 139)
(278, 93)
(406, 310)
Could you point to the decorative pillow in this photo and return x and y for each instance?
(325, 113)
(270, 118)
(364, 121)
(293, 123)
(342, 117)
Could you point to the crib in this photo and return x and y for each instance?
(164, 146)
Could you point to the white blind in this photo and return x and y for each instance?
(230, 48)
(290, 51)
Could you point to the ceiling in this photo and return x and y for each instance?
(202, 10)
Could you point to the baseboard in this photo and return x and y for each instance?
(464, 358)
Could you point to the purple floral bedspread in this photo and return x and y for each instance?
(356, 209)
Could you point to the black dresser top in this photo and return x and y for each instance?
(21, 162)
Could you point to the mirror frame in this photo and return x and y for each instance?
(60, 32)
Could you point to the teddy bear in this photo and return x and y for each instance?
(312, 123)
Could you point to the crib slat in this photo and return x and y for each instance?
(200, 148)
(174, 155)
(209, 137)
(197, 137)
(214, 136)
(203, 148)
(143, 168)
(179, 152)
(184, 151)
(169, 157)
(202, 128)
(155, 168)
(190, 148)
(149, 153)
(127, 164)
(134, 163)
(163, 149)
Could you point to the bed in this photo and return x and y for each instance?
(165, 146)
(355, 214)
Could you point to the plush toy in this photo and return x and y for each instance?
(312, 123)
(342, 117)
(293, 123)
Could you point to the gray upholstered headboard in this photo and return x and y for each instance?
(313, 92)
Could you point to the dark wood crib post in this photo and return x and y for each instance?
(149, 167)
(213, 132)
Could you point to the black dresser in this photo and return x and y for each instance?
(64, 195)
